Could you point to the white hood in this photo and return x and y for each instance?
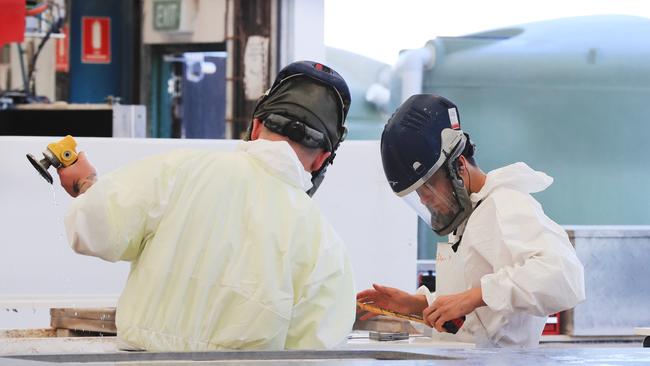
(279, 158)
(517, 176)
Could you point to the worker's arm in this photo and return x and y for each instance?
(324, 311)
(113, 219)
(545, 276)
(393, 299)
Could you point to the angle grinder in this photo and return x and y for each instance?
(58, 154)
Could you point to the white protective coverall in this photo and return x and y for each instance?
(227, 251)
(522, 260)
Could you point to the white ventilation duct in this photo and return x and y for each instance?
(409, 68)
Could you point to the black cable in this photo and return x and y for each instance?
(22, 68)
(55, 27)
(32, 66)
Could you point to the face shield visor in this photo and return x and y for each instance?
(436, 201)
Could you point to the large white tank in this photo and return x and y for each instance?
(570, 97)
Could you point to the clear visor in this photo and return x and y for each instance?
(435, 201)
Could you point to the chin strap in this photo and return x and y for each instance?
(316, 180)
(462, 198)
(318, 176)
(458, 233)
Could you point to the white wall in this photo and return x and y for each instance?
(38, 270)
(302, 30)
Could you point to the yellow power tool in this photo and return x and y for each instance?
(58, 154)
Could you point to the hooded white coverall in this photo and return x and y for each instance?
(227, 251)
(522, 261)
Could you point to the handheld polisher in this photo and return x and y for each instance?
(58, 154)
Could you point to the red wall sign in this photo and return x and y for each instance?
(12, 21)
(63, 51)
(96, 40)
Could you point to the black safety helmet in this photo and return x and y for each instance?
(308, 102)
(421, 137)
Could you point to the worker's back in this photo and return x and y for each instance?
(235, 256)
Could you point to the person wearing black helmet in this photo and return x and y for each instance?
(228, 249)
(307, 104)
(507, 265)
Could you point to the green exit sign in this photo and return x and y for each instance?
(166, 15)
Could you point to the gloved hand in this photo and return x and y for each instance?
(392, 299)
(78, 177)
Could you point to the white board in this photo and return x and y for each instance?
(38, 270)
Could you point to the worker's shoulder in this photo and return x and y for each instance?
(507, 201)
(309, 213)
(204, 157)
(184, 155)
(312, 208)
(192, 164)
(512, 205)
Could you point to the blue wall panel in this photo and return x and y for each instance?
(92, 83)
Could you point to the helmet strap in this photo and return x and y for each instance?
(461, 195)
(460, 192)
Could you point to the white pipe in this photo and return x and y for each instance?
(378, 95)
(410, 67)
(230, 83)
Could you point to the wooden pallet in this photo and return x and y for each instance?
(75, 322)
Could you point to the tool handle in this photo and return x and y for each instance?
(64, 150)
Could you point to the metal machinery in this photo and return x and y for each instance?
(90, 120)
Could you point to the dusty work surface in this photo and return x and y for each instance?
(359, 350)
(420, 356)
(416, 351)
(27, 346)
(360, 339)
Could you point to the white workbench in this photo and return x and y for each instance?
(644, 331)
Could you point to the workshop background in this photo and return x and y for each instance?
(562, 87)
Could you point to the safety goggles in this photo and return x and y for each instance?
(435, 201)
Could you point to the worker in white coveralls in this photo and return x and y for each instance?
(228, 249)
(507, 265)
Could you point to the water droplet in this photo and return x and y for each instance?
(57, 213)
(54, 195)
